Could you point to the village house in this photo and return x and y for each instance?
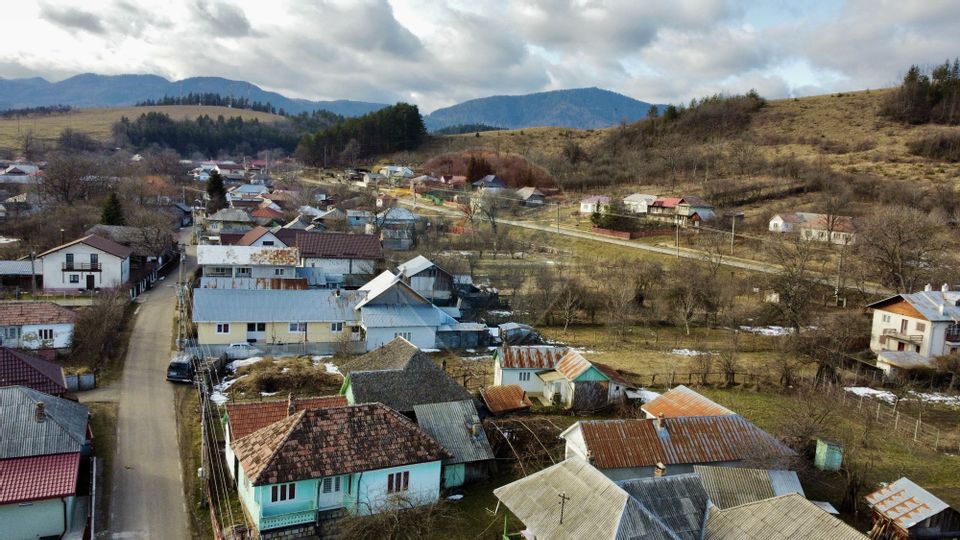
(87, 263)
(392, 309)
(682, 401)
(636, 448)
(577, 384)
(398, 228)
(519, 365)
(787, 516)
(243, 418)
(839, 230)
(530, 196)
(18, 368)
(594, 204)
(428, 279)
(789, 222)
(693, 211)
(728, 487)
(36, 325)
(333, 259)
(183, 213)
(638, 203)
(911, 329)
(296, 473)
(21, 173)
(262, 237)
(903, 509)
(396, 171)
(46, 439)
(456, 426)
(249, 267)
(664, 209)
(401, 376)
(505, 399)
(266, 215)
(491, 183)
(229, 220)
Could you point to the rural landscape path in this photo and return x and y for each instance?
(685, 253)
(148, 499)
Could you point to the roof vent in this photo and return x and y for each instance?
(661, 470)
(41, 412)
(944, 288)
(927, 288)
(291, 405)
(661, 421)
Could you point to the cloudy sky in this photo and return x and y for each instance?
(436, 53)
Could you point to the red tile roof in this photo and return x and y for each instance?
(687, 440)
(267, 213)
(245, 418)
(318, 443)
(682, 401)
(97, 242)
(334, 245)
(22, 369)
(505, 398)
(38, 477)
(251, 236)
(530, 356)
(667, 202)
(20, 313)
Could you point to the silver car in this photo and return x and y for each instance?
(240, 351)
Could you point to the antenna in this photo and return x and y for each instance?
(563, 504)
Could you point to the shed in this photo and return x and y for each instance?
(829, 455)
(456, 426)
(903, 509)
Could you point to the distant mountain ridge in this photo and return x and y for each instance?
(91, 90)
(583, 108)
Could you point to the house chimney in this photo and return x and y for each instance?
(291, 406)
(927, 288)
(945, 288)
(41, 412)
(660, 421)
(660, 470)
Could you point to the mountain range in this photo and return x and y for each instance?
(584, 108)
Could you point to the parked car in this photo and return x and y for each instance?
(180, 369)
(239, 351)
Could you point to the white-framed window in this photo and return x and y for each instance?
(331, 484)
(243, 272)
(298, 327)
(404, 335)
(524, 376)
(283, 492)
(46, 333)
(223, 328)
(336, 327)
(11, 332)
(398, 482)
(74, 278)
(278, 271)
(885, 318)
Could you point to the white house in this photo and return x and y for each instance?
(919, 326)
(396, 171)
(338, 259)
(789, 222)
(249, 267)
(593, 204)
(36, 325)
(838, 230)
(89, 263)
(520, 364)
(638, 203)
(392, 309)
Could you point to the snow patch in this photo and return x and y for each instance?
(237, 364)
(268, 394)
(219, 396)
(6, 240)
(936, 397)
(330, 367)
(643, 395)
(774, 331)
(863, 391)
(455, 497)
(430, 350)
(687, 352)
(500, 312)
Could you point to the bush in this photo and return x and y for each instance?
(944, 146)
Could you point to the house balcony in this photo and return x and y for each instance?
(287, 520)
(893, 333)
(81, 267)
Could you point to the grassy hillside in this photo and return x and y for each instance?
(98, 122)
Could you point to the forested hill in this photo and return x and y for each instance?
(584, 108)
(91, 90)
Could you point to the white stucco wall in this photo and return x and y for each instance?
(424, 337)
(512, 376)
(879, 326)
(115, 271)
(30, 336)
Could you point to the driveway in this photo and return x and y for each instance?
(148, 499)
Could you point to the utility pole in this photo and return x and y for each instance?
(733, 231)
(33, 274)
(558, 217)
(676, 218)
(563, 504)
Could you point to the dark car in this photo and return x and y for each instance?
(180, 369)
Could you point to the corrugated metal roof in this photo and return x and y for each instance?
(682, 401)
(904, 359)
(787, 517)
(572, 364)
(530, 356)
(38, 477)
(18, 368)
(928, 303)
(272, 305)
(21, 268)
(63, 430)
(231, 214)
(686, 440)
(905, 503)
(679, 501)
(734, 486)
(414, 266)
(505, 398)
(388, 316)
(247, 255)
(456, 426)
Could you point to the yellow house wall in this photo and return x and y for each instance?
(207, 334)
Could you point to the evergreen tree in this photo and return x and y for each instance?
(112, 213)
(477, 168)
(216, 192)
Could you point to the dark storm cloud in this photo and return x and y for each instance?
(72, 19)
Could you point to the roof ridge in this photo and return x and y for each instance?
(33, 396)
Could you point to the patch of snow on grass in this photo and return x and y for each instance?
(687, 352)
(936, 397)
(237, 364)
(882, 395)
(268, 394)
(331, 368)
(218, 396)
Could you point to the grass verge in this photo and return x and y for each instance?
(103, 422)
(188, 437)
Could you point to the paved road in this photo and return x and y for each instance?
(685, 253)
(148, 499)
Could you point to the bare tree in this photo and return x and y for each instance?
(900, 245)
(568, 303)
(97, 327)
(68, 178)
(401, 517)
(793, 282)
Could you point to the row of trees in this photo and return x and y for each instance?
(44, 110)
(211, 99)
(927, 96)
(392, 129)
(204, 134)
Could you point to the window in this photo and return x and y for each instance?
(251, 327)
(885, 318)
(46, 334)
(524, 375)
(953, 332)
(261, 327)
(94, 259)
(336, 327)
(69, 260)
(223, 328)
(398, 482)
(278, 271)
(243, 272)
(10, 332)
(921, 327)
(331, 485)
(74, 278)
(404, 335)
(283, 492)
(267, 243)
(298, 327)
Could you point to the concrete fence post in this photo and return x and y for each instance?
(916, 430)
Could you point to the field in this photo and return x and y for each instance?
(99, 122)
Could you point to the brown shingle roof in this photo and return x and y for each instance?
(245, 418)
(505, 398)
(688, 440)
(682, 401)
(251, 236)
(98, 242)
(333, 245)
(20, 313)
(318, 443)
(22, 369)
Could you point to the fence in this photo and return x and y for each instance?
(77, 383)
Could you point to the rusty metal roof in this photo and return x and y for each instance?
(905, 503)
(530, 356)
(682, 401)
(572, 364)
(616, 444)
(505, 398)
(247, 255)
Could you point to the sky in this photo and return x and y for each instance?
(435, 53)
